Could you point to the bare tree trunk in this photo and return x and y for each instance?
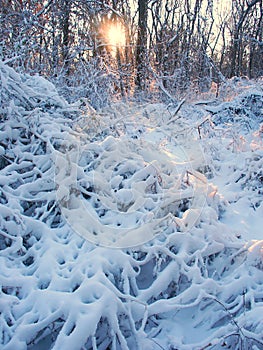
(66, 8)
(141, 49)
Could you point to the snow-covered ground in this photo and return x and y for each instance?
(136, 227)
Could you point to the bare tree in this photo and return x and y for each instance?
(243, 14)
(141, 48)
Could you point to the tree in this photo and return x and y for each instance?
(246, 36)
(141, 47)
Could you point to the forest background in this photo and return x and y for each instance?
(125, 49)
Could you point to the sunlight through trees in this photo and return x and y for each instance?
(160, 47)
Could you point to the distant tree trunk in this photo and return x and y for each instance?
(141, 50)
(66, 8)
(255, 66)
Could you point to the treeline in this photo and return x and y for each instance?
(170, 45)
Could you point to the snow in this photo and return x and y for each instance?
(137, 227)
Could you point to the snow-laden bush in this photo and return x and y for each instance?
(244, 111)
(195, 287)
(91, 80)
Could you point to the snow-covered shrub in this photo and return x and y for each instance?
(193, 285)
(244, 112)
(252, 177)
(91, 80)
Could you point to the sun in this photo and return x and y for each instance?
(116, 36)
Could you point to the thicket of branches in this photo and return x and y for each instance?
(170, 45)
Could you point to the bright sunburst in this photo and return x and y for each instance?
(116, 36)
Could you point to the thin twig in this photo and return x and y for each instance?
(178, 107)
